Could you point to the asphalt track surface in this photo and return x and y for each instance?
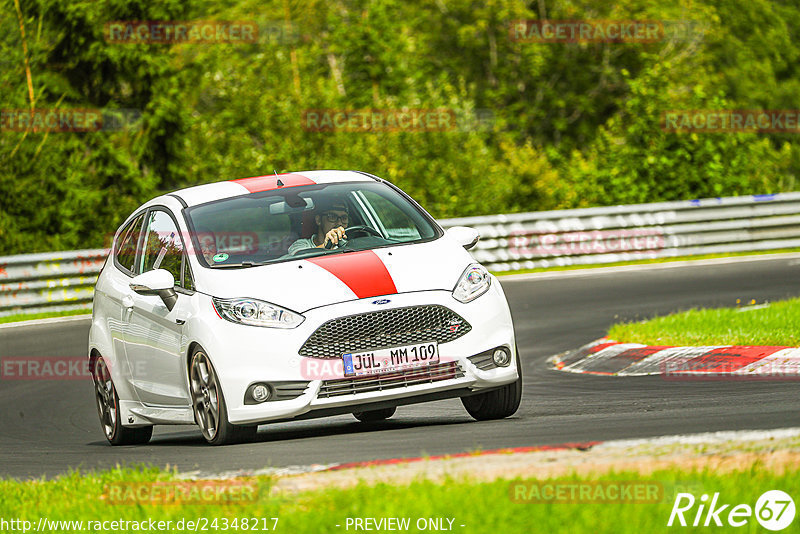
(51, 427)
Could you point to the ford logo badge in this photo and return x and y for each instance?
(381, 301)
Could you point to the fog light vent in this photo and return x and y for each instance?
(491, 359)
(274, 391)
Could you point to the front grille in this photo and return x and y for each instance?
(401, 379)
(385, 328)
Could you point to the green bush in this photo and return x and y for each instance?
(572, 124)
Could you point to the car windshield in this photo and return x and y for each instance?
(286, 224)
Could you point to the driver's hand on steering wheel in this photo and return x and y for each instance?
(333, 237)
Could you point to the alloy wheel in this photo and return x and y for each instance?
(205, 395)
(104, 393)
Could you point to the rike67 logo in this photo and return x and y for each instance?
(774, 510)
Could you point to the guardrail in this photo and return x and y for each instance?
(65, 280)
(49, 281)
(639, 231)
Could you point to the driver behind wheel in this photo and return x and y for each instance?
(332, 218)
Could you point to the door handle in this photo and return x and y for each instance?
(180, 321)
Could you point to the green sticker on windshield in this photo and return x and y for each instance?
(220, 257)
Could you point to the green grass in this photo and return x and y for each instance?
(648, 261)
(480, 507)
(775, 323)
(43, 315)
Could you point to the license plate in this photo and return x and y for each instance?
(379, 361)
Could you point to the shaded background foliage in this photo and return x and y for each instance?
(573, 124)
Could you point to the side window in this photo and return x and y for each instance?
(163, 248)
(188, 280)
(125, 247)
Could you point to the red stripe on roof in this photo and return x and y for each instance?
(257, 184)
(363, 272)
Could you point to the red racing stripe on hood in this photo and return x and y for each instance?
(257, 184)
(363, 272)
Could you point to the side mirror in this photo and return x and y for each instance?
(464, 236)
(157, 282)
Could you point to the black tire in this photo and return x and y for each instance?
(107, 402)
(498, 403)
(208, 404)
(370, 416)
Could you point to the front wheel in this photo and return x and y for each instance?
(108, 409)
(498, 403)
(208, 404)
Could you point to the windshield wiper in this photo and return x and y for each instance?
(309, 253)
(235, 265)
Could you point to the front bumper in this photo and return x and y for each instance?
(244, 355)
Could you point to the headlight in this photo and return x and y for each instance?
(256, 313)
(473, 283)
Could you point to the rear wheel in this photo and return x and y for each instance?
(208, 404)
(370, 416)
(108, 409)
(498, 403)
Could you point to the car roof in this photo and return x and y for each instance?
(201, 194)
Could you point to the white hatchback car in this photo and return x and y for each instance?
(293, 296)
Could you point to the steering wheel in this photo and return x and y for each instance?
(366, 230)
(363, 229)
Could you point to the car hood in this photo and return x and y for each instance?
(301, 285)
